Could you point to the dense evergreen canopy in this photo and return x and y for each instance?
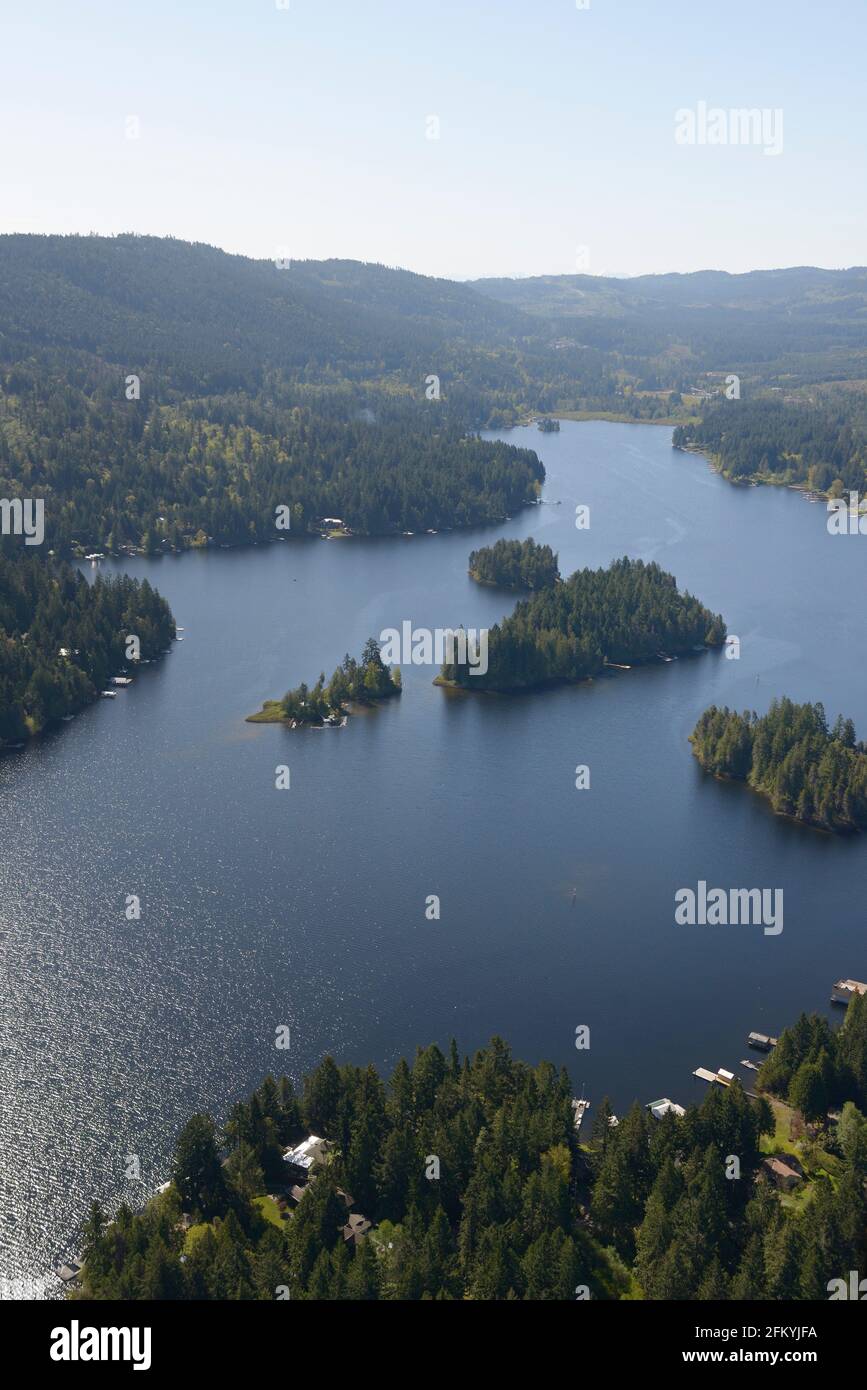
(823, 446)
(46, 605)
(354, 682)
(815, 1068)
(475, 1186)
(629, 612)
(806, 770)
(515, 564)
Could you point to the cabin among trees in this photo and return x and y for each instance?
(333, 1194)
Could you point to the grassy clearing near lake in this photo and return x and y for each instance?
(269, 1209)
(272, 712)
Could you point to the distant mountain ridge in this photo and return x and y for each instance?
(798, 288)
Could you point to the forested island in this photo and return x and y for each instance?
(806, 770)
(630, 612)
(61, 639)
(465, 1178)
(363, 682)
(548, 426)
(515, 565)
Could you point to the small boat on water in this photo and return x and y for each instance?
(108, 694)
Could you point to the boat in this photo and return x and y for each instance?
(108, 694)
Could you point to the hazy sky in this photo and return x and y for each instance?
(306, 128)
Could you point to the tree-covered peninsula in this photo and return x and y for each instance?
(61, 639)
(629, 613)
(821, 446)
(806, 770)
(465, 1178)
(363, 682)
(515, 565)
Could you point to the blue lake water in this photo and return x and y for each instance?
(307, 907)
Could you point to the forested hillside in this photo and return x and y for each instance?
(823, 446)
(465, 1179)
(158, 394)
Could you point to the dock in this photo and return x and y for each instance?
(751, 1066)
(720, 1077)
(580, 1107)
(844, 991)
(762, 1041)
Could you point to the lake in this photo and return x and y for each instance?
(263, 907)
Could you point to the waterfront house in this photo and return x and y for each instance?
(356, 1228)
(659, 1108)
(782, 1172)
(302, 1159)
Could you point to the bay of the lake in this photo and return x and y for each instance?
(263, 907)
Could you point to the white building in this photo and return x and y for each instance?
(307, 1155)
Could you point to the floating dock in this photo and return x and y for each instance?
(721, 1077)
(844, 991)
(762, 1041)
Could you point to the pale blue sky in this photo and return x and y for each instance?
(304, 128)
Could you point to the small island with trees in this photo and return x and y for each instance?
(548, 426)
(807, 771)
(515, 565)
(363, 682)
(629, 613)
